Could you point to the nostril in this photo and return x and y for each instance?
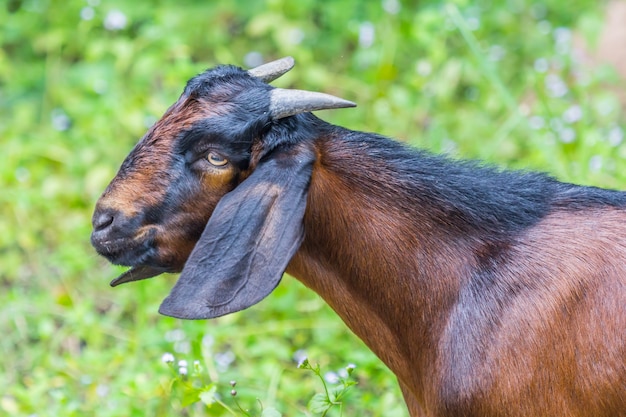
(102, 220)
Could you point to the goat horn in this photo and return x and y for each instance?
(285, 102)
(272, 70)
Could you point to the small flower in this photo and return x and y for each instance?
(347, 371)
(544, 27)
(536, 122)
(573, 114)
(87, 13)
(303, 363)
(473, 23)
(182, 370)
(562, 36)
(102, 390)
(567, 135)
(115, 20)
(299, 355)
(595, 163)
(296, 36)
(60, 120)
(424, 68)
(367, 34)
(182, 363)
(541, 65)
(207, 341)
(22, 174)
(183, 346)
(616, 135)
(253, 59)
(496, 53)
(175, 335)
(233, 383)
(167, 358)
(556, 86)
(331, 377)
(233, 392)
(391, 6)
(224, 359)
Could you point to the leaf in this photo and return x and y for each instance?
(190, 395)
(207, 396)
(319, 403)
(270, 412)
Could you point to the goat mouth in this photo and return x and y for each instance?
(137, 273)
(129, 251)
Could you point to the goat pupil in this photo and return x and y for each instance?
(215, 159)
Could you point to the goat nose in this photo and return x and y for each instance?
(102, 220)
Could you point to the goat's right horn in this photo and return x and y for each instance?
(272, 70)
(284, 102)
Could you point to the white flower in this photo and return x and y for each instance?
(299, 355)
(207, 341)
(167, 358)
(541, 65)
(423, 68)
(556, 86)
(573, 114)
(115, 20)
(536, 122)
(296, 36)
(595, 163)
(253, 59)
(331, 377)
(102, 390)
(367, 34)
(616, 135)
(87, 13)
(567, 135)
(60, 120)
(391, 6)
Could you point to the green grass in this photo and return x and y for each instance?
(481, 79)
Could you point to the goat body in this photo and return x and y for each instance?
(487, 293)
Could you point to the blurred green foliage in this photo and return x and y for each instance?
(81, 80)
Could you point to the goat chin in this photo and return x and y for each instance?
(137, 273)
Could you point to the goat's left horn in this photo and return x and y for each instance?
(272, 70)
(284, 103)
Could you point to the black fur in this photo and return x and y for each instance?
(248, 241)
(463, 196)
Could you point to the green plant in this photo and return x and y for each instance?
(323, 402)
(193, 385)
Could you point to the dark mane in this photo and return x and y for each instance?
(462, 194)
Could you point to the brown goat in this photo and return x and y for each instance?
(487, 293)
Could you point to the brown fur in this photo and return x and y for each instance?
(145, 177)
(557, 347)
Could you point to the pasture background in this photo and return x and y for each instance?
(80, 81)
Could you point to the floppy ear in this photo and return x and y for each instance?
(248, 241)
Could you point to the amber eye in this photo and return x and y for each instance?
(217, 160)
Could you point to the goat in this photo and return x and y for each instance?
(486, 292)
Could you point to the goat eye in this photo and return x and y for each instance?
(217, 160)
